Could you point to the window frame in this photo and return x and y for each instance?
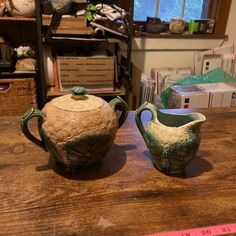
(217, 10)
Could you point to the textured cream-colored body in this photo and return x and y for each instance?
(169, 136)
(64, 123)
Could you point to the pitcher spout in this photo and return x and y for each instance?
(197, 120)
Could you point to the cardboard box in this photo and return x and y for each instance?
(165, 77)
(147, 89)
(228, 63)
(234, 67)
(221, 94)
(158, 74)
(224, 49)
(210, 95)
(86, 71)
(199, 68)
(198, 61)
(188, 97)
(233, 98)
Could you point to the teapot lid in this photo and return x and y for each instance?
(77, 101)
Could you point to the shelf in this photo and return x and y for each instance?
(12, 18)
(52, 92)
(22, 30)
(180, 36)
(76, 28)
(85, 37)
(15, 74)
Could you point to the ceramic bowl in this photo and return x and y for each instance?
(24, 8)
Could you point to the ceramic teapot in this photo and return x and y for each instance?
(172, 139)
(24, 8)
(77, 129)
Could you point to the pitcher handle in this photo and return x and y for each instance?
(24, 125)
(119, 102)
(146, 106)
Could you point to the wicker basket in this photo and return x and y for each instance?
(16, 96)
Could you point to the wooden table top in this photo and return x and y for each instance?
(126, 195)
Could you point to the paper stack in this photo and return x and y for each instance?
(221, 57)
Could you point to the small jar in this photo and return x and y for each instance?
(177, 25)
(154, 25)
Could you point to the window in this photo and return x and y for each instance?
(167, 9)
(212, 9)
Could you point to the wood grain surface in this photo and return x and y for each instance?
(126, 195)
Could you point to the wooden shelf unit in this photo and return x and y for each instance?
(30, 30)
(25, 31)
(12, 18)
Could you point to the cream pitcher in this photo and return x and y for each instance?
(172, 139)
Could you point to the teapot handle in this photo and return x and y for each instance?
(119, 102)
(24, 125)
(146, 106)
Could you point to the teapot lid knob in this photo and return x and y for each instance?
(78, 92)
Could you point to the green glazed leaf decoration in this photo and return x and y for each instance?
(88, 150)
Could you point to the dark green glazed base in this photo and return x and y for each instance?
(177, 157)
(84, 152)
